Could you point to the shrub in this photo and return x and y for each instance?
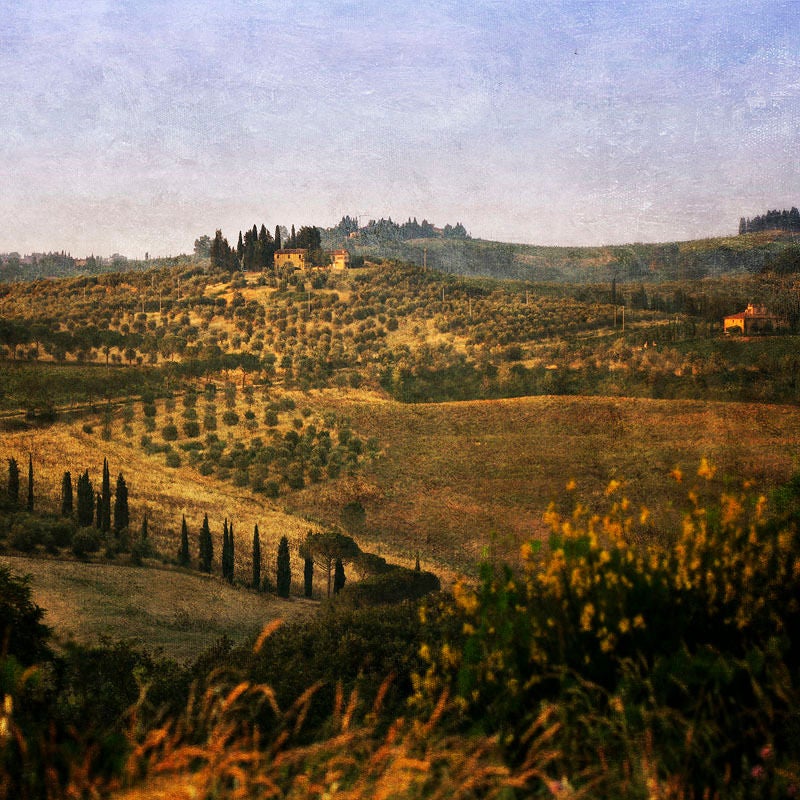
(270, 418)
(230, 417)
(169, 432)
(395, 585)
(681, 645)
(24, 538)
(85, 541)
(191, 429)
(173, 459)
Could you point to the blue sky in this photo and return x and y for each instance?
(138, 126)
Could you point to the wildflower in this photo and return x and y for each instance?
(644, 516)
(758, 772)
(571, 485)
(586, 617)
(612, 487)
(766, 752)
(677, 474)
(638, 621)
(617, 705)
(624, 625)
(706, 470)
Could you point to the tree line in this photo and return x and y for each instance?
(772, 220)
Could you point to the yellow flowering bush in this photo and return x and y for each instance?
(691, 638)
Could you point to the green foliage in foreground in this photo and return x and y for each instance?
(598, 668)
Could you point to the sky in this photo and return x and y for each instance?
(139, 125)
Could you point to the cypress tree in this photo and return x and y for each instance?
(231, 567)
(294, 238)
(85, 500)
(13, 481)
(183, 552)
(284, 576)
(256, 559)
(206, 547)
(308, 576)
(417, 567)
(99, 519)
(225, 547)
(277, 237)
(105, 495)
(66, 495)
(121, 515)
(30, 482)
(338, 576)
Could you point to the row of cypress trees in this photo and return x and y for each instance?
(90, 509)
(283, 583)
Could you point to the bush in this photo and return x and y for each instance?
(173, 459)
(85, 541)
(230, 417)
(24, 538)
(191, 429)
(270, 418)
(396, 585)
(169, 432)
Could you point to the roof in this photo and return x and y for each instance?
(293, 251)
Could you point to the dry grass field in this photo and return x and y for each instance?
(453, 480)
(452, 475)
(180, 613)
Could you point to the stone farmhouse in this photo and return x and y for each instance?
(754, 319)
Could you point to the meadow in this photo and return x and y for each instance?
(545, 462)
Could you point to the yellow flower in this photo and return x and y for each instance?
(706, 470)
(644, 516)
(612, 487)
(571, 485)
(624, 625)
(586, 617)
(677, 474)
(638, 621)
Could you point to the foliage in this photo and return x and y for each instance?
(683, 645)
(206, 547)
(24, 635)
(12, 490)
(284, 569)
(184, 560)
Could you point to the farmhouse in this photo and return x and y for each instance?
(340, 259)
(754, 319)
(295, 257)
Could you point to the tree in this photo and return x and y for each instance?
(98, 523)
(227, 552)
(183, 551)
(202, 247)
(266, 247)
(13, 481)
(293, 240)
(105, 498)
(284, 571)
(23, 633)
(206, 547)
(277, 237)
(308, 577)
(338, 576)
(325, 548)
(121, 514)
(66, 495)
(256, 559)
(85, 500)
(30, 483)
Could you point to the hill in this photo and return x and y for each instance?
(734, 255)
(179, 613)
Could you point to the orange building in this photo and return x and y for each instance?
(754, 319)
(340, 259)
(294, 256)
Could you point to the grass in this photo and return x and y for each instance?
(181, 613)
(452, 474)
